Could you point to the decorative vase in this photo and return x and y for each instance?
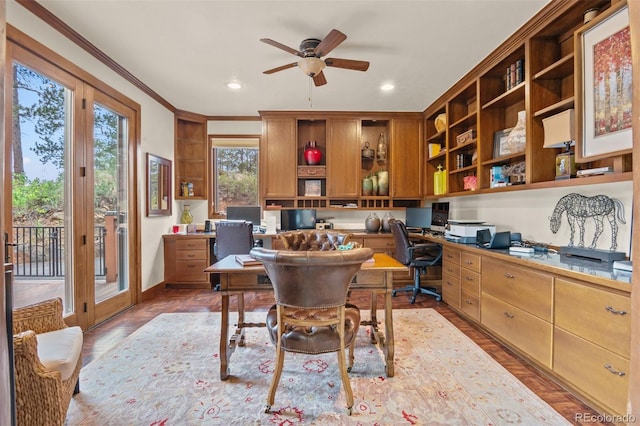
(382, 148)
(372, 223)
(440, 122)
(383, 182)
(186, 217)
(386, 227)
(367, 153)
(312, 155)
(374, 184)
(516, 141)
(439, 181)
(367, 186)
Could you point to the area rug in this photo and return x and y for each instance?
(167, 373)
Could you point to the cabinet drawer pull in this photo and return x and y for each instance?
(468, 278)
(614, 371)
(615, 311)
(468, 302)
(449, 283)
(508, 275)
(449, 270)
(312, 171)
(508, 315)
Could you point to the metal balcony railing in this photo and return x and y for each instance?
(38, 251)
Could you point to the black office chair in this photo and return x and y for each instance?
(233, 237)
(416, 256)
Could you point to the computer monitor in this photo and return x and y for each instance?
(248, 213)
(439, 216)
(293, 219)
(418, 218)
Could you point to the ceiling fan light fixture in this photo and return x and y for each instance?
(311, 66)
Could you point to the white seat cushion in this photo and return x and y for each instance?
(60, 350)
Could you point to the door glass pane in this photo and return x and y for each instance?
(41, 228)
(110, 203)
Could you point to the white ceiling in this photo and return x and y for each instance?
(187, 50)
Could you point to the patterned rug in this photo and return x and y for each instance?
(167, 373)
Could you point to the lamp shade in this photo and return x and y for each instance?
(559, 129)
(311, 65)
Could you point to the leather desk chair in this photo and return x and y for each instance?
(418, 257)
(311, 314)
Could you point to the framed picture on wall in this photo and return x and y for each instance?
(312, 188)
(604, 76)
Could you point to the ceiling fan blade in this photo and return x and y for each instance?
(319, 79)
(281, 46)
(349, 64)
(330, 42)
(280, 68)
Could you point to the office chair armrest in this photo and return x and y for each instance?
(428, 249)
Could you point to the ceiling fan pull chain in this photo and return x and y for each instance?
(310, 96)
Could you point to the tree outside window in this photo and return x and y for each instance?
(235, 173)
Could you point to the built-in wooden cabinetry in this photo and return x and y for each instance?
(286, 177)
(191, 155)
(185, 258)
(484, 103)
(575, 326)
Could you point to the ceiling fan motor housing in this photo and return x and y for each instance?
(308, 47)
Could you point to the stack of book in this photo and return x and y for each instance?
(247, 260)
(594, 172)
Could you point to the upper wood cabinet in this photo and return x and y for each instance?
(407, 158)
(343, 157)
(287, 181)
(532, 71)
(191, 156)
(278, 158)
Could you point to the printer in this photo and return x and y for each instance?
(466, 232)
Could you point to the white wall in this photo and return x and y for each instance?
(157, 132)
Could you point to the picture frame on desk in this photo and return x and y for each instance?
(499, 141)
(603, 78)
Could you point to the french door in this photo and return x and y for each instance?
(71, 171)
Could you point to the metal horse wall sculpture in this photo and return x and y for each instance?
(578, 208)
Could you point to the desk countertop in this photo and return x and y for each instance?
(578, 268)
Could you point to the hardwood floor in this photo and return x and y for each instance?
(106, 335)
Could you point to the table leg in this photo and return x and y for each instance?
(374, 318)
(224, 332)
(240, 329)
(389, 348)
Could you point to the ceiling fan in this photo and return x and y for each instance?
(311, 52)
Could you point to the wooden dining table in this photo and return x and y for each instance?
(375, 276)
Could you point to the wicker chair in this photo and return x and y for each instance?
(311, 314)
(47, 359)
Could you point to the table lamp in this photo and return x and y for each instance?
(559, 133)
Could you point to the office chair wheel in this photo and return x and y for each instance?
(393, 293)
(438, 298)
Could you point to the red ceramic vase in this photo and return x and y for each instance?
(312, 155)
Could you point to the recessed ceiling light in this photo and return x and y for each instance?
(387, 87)
(234, 85)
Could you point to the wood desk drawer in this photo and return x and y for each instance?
(451, 268)
(599, 316)
(470, 304)
(470, 281)
(470, 261)
(451, 290)
(451, 255)
(312, 171)
(584, 365)
(191, 270)
(379, 244)
(191, 254)
(529, 333)
(191, 243)
(523, 287)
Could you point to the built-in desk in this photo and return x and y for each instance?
(568, 316)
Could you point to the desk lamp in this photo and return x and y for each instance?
(559, 133)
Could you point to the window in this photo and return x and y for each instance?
(235, 172)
